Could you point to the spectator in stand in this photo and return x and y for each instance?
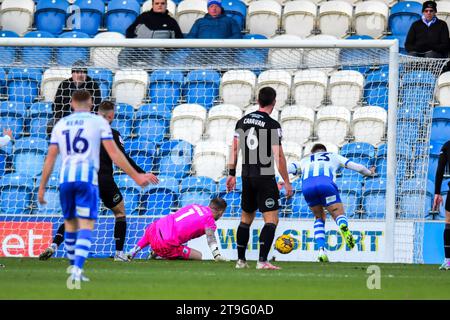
(428, 37)
(79, 81)
(215, 24)
(155, 23)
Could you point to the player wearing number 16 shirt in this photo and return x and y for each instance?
(78, 138)
(167, 236)
(258, 137)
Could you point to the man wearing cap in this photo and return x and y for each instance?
(79, 81)
(428, 37)
(215, 24)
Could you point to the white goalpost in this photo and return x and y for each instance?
(177, 102)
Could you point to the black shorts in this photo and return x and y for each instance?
(109, 192)
(260, 193)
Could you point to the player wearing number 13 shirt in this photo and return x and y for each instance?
(258, 137)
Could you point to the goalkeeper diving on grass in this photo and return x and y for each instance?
(167, 236)
(320, 191)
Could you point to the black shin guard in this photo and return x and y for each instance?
(265, 240)
(242, 237)
(59, 236)
(120, 231)
(447, 240)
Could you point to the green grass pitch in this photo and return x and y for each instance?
(157, 279)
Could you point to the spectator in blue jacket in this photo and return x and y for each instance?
(215, 24)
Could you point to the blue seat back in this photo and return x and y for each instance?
(40, 114)
(12, 115)
(90, 16)
(358, 149)
(237, 10)
(160, 199)
(202, 87)
(8, 54)
(376, 88)
(440, 129)
(24, 84)
(29, 156)
(402, 16)
(175, 158)
(253, 58)
(353, 59)
(16, 194)
(121, 14)
(198, 184)
(165, 87)
(68, 56)
(131, 193)
(104, 78)
(50, 15)
(37, 56)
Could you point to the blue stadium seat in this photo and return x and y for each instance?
(152, 122)
(202, 87)
(104, 79)
(354, 59)
(165, 87)
(199, 190)
(131, 193)
(50, 15)
(123, 122)
(40, 114)
(435, 150)
(440, 129)
(142, 151)
(253, 58)
(121, 14)
(175, 158)
(358, 149)
(161, 199)
(3, 81)
(90, 16)
(12, 115)
(411, 193)
(29, 155)
(237, 10)
(24, 84)
(37, 56)
(402, 16)
(374, 198)
(68, 56)
(53, 205)
(233, 198)
(376, 88)
(16, 194)
(297, 204)
(8, 54)
(401, 42)
(382, 151)
(350, 193)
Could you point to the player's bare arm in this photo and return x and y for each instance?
(49, 163)
(280, 161)
(121, 161)
(231, 179)
(212, 244)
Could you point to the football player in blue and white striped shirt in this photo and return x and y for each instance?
(78, 137)
(320, 191)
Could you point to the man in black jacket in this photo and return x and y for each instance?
(428, 37)
(153, 24)
(157, 19)
(79, 81)
(109, 192)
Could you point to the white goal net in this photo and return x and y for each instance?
(177, 104)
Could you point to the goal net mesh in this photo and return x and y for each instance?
(176, 109)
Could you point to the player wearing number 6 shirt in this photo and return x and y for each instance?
(167, 236)
(78, 138)
(258, 136)
(320, 191)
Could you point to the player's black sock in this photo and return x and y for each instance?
(447, 240)
(242, 236)
(120, 231)
(59, 236)
(265, 240)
